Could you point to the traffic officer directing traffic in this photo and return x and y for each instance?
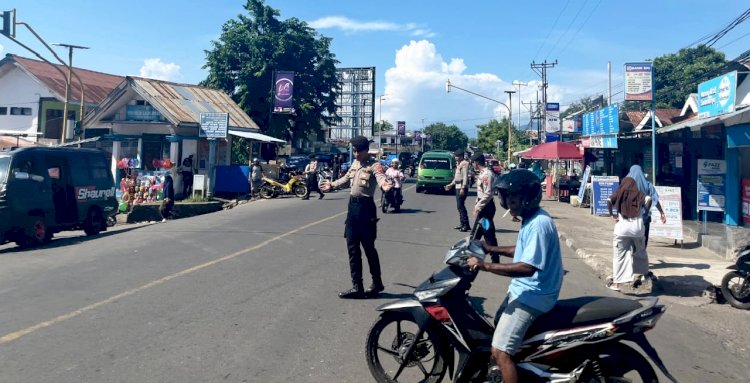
(361, 219)
(461, 182)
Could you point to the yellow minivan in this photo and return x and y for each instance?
(435, 170)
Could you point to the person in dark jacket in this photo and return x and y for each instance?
(168, 202)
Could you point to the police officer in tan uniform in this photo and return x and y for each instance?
(485, 205)
(461, 182)
(364, 176)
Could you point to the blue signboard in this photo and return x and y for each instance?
(717, 95)
(602, 121)
(712, 176)
(603, 187)
(213, 125)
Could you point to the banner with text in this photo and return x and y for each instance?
(639, 81)
(717, 95)
(670, 199)
(712, 176)
(401, 128)
(602, 187)
(283, 90)
(552, 123)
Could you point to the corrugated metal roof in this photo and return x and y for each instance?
(182, 103)
(97, 85)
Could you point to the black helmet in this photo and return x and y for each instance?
(519, 182)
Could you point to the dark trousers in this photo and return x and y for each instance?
(647, 224)
(463, 215)
(361, 230)
(489, 234)
(166, 209)
(312, 185)
(187, 184)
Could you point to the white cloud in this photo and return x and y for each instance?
(348, 25)
(415, 89)
(159, 70)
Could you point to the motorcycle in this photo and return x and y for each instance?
(391, 198)
(735, 286)
(580, 340)
(323, 175)
(271, 188)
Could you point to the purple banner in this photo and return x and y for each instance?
(402, 128)
(283, 89)
(417, 135)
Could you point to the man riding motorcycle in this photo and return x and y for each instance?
(536, 270)
(396, 176)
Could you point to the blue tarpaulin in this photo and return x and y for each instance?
(232, 179)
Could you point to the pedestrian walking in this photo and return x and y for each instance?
(364, 176)
(636, 173)
(311, 174)
(536, 270)
(167, 203)
(255, 177)
(187, 171)
(336, 166)
(485, 205)
(629, 245)
(461, 183)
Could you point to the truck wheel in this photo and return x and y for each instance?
(94, 221)
(36, 234)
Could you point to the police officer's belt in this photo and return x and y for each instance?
(360, 199)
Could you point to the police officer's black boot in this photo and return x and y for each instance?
(356, 292)
(376, 288)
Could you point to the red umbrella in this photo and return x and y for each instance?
(553, 151)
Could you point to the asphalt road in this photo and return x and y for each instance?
(249, 295)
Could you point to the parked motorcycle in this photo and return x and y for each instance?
(271, 188)
(581, 340)
(735, 286)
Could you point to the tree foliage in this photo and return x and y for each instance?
(446, 137)
(253, 46)
(676, 75)
(488, 134)
(587, 104)
(383, 126)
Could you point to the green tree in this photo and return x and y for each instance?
(446, 137)
(488, 134)
(382, 126)
(253, 46)
(587, 104)
(676, 75)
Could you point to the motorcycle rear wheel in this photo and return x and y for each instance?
(620, 363)
(266, 191)
(300, 190)
(387, 345)
(736, 290)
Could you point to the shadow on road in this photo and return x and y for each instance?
(659, 264)
(67, 241)
(411, 211)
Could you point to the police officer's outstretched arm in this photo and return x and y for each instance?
(341, 182)
(380, 177)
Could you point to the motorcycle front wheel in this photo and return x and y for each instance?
(266, 191)
(300, 190)
(388, 355)
(736, 290)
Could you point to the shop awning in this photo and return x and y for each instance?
(254, 136)
(729, 119)
(553, 151)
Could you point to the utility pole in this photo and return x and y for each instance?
(541, 70)
(67, 88)
(518, 85)
(510, 119)
(380, 131)
(421, 137)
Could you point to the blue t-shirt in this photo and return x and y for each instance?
(538, 246)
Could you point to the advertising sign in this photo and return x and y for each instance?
(552, 124)
(603, 187)
(639, 81)
(607, 142)
(401, 128)
(746, 201)
(283, 90)
(670, 199)
(601, 122)
(716, 96)
(213, 125)
(712, 176)
(584, 181)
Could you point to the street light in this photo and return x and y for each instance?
(67, 88)
(448, 87)
(380, 131)
(518, 85)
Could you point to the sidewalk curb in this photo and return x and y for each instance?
(603, 270)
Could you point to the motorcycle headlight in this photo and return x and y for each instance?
(428, 294)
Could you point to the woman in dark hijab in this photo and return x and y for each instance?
(629, 245)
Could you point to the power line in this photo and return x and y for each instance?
(733, 24)
(567, 29)
(551, 29)
(731, 42)
(579, 28)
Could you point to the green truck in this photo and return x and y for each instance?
(48, 190)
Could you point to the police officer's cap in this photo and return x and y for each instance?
(478, 158)
(458, 153)
(360, 143)
(312, 156)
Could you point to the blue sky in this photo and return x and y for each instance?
(415, 45)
